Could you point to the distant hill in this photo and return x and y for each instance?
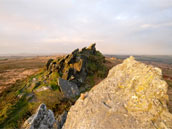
(166, 59)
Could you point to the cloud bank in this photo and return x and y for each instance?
(117, 26)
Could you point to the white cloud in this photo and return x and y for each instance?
(117, 26)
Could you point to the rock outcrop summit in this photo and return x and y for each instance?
(133, 96)
(72, 73)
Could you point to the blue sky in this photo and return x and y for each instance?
(59, 26)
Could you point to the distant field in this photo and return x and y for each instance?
(13, 69)
(163, 62)
(166, 59)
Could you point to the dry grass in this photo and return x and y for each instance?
(15, 69)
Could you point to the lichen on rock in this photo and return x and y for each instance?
(134, 95)
(43, 119)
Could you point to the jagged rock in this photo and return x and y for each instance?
(69, 89)
(133, 96)
(92, 47)
(78, 66)
(67, 74)
(61, 120)
(74, 67)
(75, 51)
(48, 63)
(43, 119)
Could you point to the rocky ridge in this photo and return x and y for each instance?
(62, 80)
(70, 73)
(134, 95)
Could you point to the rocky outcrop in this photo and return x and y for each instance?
(134, 95)
(69, 89)
(75, 66)
(72, 73)
(43, 119)
(62, 80)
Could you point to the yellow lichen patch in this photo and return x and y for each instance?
(149, 106)
(78, 65)
(139, 88)
(121, 86)
(137, 104)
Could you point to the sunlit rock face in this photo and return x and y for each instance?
(134, 95)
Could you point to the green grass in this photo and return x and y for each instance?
(16, 114)
(96, 68)
(13, 109)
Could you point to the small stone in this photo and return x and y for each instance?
(83, 96)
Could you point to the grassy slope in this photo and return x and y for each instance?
(12, 108)
(15, 110)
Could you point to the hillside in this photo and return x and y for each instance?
(58, 84)
(81, 69)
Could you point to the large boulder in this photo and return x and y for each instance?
(43, 119)
(133, 96)
(69, 89)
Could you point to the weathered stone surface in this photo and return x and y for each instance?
(133, 96)
(48, 63)
(74, 67)
(92, 46)
(43, 119)
(75, 51)
(69, 89)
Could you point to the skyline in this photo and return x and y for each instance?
(133, 27)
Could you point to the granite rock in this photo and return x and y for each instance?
(43, 119)
(133, 96)
(69, 89)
